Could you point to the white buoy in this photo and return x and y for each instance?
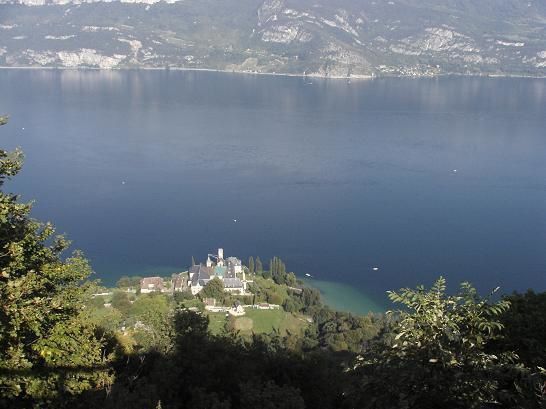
(234, 220)
(122, 182)
(23, 129)
(454, 170)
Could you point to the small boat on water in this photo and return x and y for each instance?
(308, 275)
(375, 268)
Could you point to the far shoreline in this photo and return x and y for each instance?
(275, 74)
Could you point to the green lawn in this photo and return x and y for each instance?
(244, 324)
(259, 322)
(264, 321)
(217, 321)
(295, 324)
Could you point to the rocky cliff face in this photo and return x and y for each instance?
(341, 38)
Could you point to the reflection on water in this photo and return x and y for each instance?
(419, 177)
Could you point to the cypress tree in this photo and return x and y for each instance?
(251, 265)
(259, 265)
(274, 269)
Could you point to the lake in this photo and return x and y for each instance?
(416, 177)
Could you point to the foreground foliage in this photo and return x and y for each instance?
(525, 328)
(48, 347)
(439, 357)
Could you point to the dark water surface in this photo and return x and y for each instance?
(145, 169)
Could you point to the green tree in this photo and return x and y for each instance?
(525, 328)
(121, 301)
(282, 267)
(270, 396)
(274, 298)
(310, 297)
(135, 282)
(124, 282)
(273, 266)
(290, 305)
(290, 278)
(154, 316)
(439, 356)
(181, 296)
(259, 266)
(251, 265)
(96, 302)
(213, 289)
(48, 348)
(107, 319)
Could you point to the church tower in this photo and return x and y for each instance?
(220, 260)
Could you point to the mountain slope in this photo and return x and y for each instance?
(327, 38)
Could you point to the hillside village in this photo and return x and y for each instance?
(229, 294)
(229, 270)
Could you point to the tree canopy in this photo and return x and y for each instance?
(439, 357)
(213, 289)
(47, 343)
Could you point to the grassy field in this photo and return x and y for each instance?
(192, 303)
(244, 324)
(217, 320)
(260, 322)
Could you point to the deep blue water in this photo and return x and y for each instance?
(143, 170)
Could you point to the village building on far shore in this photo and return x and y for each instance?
(179, 282)
(230, 271)
(151, 284)
(235, 265)
(199, 276)
(233, 285)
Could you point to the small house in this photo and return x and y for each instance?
(233, 285)
(179, 282)
(235, 265)
(199, 277)
(151, 284)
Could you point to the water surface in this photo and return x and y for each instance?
(419, 178)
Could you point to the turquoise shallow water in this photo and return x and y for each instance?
(343, 297)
